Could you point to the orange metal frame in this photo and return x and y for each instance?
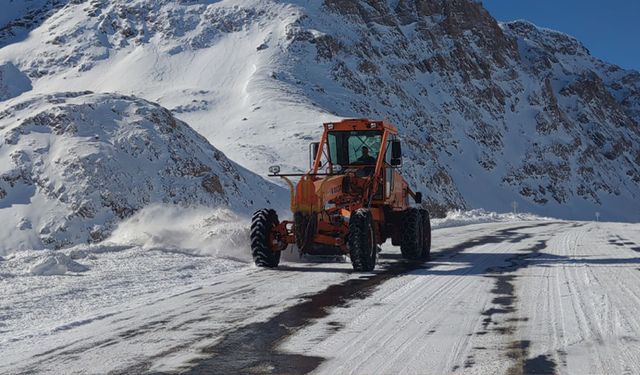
(307, 199)
(355, 124)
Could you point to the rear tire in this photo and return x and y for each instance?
(262, 223)
(362, 241)
(426, 235)
(412, 239)
(305, 228)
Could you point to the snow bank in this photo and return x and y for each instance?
(56, 263)
(39, 263)
(458, 218)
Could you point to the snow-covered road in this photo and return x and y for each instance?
(497, 298)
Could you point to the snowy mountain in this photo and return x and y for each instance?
(490, 113)
(75, 164)
(134, 139)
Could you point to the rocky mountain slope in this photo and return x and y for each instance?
(495, 112)
(72, 165)
(491, 113)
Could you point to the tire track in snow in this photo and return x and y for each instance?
(616, 320)
(405, 308)
(506, 301)
(254, 347)
(431, 283)
(405, 318)
(583, 290)
(403, 352)
(579, 316)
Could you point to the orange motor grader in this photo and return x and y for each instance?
(351, 201)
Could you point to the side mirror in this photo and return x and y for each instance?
(396, 153)
(418, 197)
(274, 169)
(313, 151)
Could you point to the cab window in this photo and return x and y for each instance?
(348, 147)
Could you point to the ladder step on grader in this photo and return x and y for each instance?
(351, 201)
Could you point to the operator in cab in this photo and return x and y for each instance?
(365, 158)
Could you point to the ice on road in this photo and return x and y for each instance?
(501, 298)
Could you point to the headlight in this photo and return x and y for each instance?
(274, 169)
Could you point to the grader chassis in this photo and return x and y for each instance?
(352, 207)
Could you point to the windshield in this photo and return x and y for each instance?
(354, 147)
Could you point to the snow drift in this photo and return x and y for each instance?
(194, 230)
(54, 263)
(72, 165)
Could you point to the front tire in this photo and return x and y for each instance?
(362, 241)
(262, 224)
(412, 238)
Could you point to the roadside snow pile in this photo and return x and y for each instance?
(72, 165)
(48, 292)
(196, 230)
(56, 263)
(40, 263)
(459, 218)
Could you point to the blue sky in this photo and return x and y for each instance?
(610, 29)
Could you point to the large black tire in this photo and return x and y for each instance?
(412, 239)
(304, 226)
(362, 241)
(426, 234)
(262, 223)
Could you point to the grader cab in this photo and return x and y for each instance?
(351, 201)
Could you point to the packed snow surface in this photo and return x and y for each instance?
(502, 291)
(459, 217)
(160, 250)
(505, 295)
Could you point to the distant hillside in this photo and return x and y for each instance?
(72, 165)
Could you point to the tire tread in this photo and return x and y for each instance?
(262, 222)
(362, 253)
